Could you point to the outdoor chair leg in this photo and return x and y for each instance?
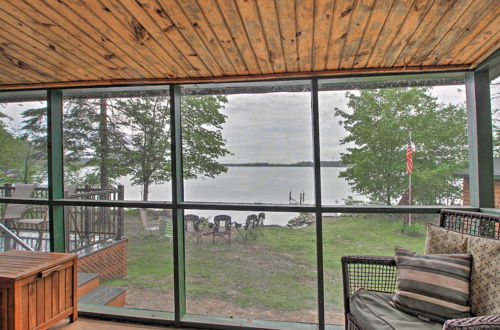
(221, 237)
(193, 236)
(39, 242)
(242, 233)
(17, 230)
(40, 237)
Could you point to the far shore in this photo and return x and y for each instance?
(333, 163)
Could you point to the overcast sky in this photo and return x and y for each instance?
(276, 127)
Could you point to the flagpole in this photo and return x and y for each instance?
(409, 191)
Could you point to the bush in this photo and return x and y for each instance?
(413, 230)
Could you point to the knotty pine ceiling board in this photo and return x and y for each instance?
(58, 43)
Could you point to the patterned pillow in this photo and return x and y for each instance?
(441, 240)
(485, 276)
(433, 287)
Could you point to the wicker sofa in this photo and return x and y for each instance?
(378, 273)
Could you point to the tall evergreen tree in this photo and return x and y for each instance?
(91, 140)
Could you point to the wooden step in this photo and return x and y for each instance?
(87, 282)
(105, 295)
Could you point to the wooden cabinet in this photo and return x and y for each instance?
(37, 289)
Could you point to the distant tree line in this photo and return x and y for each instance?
(326, 163)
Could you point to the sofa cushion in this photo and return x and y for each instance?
(442, 240)
(485, 276)
(434, 287)
(372, 310)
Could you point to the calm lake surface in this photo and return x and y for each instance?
(254, 185)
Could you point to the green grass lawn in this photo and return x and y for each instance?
(276, 271)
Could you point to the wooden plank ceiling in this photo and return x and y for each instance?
(54, 43)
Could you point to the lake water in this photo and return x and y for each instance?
(254, 185)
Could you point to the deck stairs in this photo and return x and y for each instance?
(90, 291)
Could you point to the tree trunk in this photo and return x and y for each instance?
(26, 170)
(388, 196)
(104, 143)
(145, 192)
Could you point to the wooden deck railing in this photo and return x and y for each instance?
(85, 226)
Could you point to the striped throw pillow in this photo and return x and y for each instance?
(433, 287)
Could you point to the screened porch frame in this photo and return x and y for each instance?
(477, 84)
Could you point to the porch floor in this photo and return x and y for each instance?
(92, 324)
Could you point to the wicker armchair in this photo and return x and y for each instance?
(378, 273)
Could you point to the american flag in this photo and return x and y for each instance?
(409, 159)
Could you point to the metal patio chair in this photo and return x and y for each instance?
(166, 227)
(222, 228)
(16, 214)
(70, 190)
(70, 212)
(148, 224)
(191, 228)
(260, 223)
(247, 230)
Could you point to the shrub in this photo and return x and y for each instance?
(413, 230)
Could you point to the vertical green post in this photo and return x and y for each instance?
(177, 196)
(318, 202)
(55, 167)
(481, 176)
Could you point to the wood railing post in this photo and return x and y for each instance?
(87, 215)
(67, 224)
(121, 197)
(7, 240)
(8, 190)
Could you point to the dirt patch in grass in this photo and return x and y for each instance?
(147, 298)
(211, 306)
(150, 298)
